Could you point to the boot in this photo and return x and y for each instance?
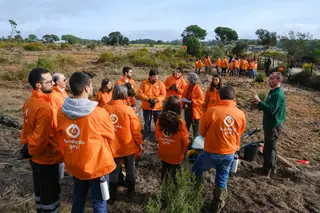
(113, 189)
(131, 188)
(219, 199)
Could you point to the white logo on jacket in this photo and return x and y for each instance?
(114, 118)
(73, 131)
(228, 121)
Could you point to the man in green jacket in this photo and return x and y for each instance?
(274, 114)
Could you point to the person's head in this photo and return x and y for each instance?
(275, 79)
(169, 120)
(153, 75)
(218, 57)
(177, 72)
(131, 92)
(227, 93)
(192, 78)
(216, 82)
(41, 79)
(127, 71)
(81, 85)
(60, 80)
(120, 92)
(106, 85)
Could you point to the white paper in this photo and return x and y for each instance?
(186, 100)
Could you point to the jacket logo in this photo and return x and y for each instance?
(73, 131)
(27, 110)
(114, 118)
(228, 121)
(166, 134)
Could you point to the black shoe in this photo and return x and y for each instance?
(131, 188)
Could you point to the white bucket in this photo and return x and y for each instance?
(198, 143)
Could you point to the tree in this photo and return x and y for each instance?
(225, 34)
(50, 38)
(71, 39)
(32, 37)
(115, 38)
(13, 27)
(312, 53)
(160, 42)
(194, 30)
(194, 46)
(105, 40)
(266, 38)
(241, 47)
(125, 41)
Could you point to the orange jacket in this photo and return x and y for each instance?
(154, 91)
(57, 99)
(255, 65)
(38, 131)
(171, 148)
(180, 84)
(225, 63)
(124, 80)
(207, 62)
(218, 62)
(212, 98)
(85, 141)
(222, 126)
(251, 65)
(103, 98)
(199, 65)
(246, 65)
(232, 65)
(197, 99)
(237, 64)
(127, 129)
(243, 64)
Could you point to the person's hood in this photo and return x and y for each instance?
(77, 108)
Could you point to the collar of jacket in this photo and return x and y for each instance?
(40, 95)
(230, 103)
(117, 102)
(125, 80)
(56, 88)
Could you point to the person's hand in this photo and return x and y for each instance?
(172, 87)
(152, 102)
(255, 99)
(175, 87)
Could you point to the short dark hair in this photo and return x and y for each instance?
(126, 70)
(104, 83)
(35, 76)
(131, 92)
(153, 72)
(78, 81)
(227, 93)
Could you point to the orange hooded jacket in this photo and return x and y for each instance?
(218, 62)
(222, 126)
(103, 98)
(127, 129)
(225, 63)
(243, 64)
(172, 147)
(212, 98)
(197, 99)
(38, 131)
(180, 84)
(85, 141)
(154, 91)
(124, 80)
(57, 99)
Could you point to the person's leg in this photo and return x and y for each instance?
(113, 183)
(196, 128)
(99, 205)
(130, 173)
(36, 184)
(50, 188)
(188, 116)
(147, 115)
(156, 115)
(80, 190)
(173, 172)
(164, 170)
(203, 163)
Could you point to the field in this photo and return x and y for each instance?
(289, 191)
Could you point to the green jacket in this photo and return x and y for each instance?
(274, 109)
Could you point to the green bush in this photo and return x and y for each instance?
(260, 77)
(52, 46)
(65, 46)
(182, 197)
(263, 96)
(20, 75)
(142, 58)
(110, 57)
(306, 79)
(307, 67)
(8, 45)
(91, 46)
(34, 47)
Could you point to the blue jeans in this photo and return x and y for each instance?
(222, 163)
(81, 188)
(147, 116)
(129, 166)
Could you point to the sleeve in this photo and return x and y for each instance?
(162, 95)
(166, 84)
(55, 104)
(24, 139)
(203, 124)
(184, 136)
(107, 129)
(98, 97)
(182, 86)
(272, 107)
(39, 139)
(157, 130)
(199, 97)
(135, 127)
(141, 91)
(242, 128)
(59, 131)
(134, 85)
(207, 98)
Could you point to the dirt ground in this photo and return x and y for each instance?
(288, 191)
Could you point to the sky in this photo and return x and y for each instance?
(158, 20)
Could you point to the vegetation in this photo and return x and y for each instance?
(34, 47)
(266, 38)
(260, 77)
(225, 34)
(306, 79)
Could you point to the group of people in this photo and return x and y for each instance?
(90, 139)
(232, 66)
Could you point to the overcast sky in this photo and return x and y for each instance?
(159, 20)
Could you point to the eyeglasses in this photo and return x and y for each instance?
(46, 82)
(65, 80)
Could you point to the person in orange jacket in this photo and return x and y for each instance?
(198, 65)
(58, 94)
(85, 131)
(104, 94)
(243, 66)
(251, 65)
(237, 67)
(127, 139)
(39, 141)
(175, 84)
(212, 95)
(192, 100)
(224, 66)
(128, 78)
(152, 93)
(172, 136)
(221, 126)
(207, 64)
(218, 65)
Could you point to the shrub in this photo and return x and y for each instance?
(91, 46)
(110, 57)
(306, 79)
(20, 75)
(52, 46)
(307, 67)
(260, 77)
(142, 57)
(65, 46)
(263, 96)
(34, 47)
(8, 45)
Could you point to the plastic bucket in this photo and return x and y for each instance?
(250, 152)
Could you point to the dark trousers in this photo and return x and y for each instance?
(46, 187)
(147, 116)
(81, 188)
(188, 117)
(129, 166)
(169, 170)
(271, 137)
(224, 71)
